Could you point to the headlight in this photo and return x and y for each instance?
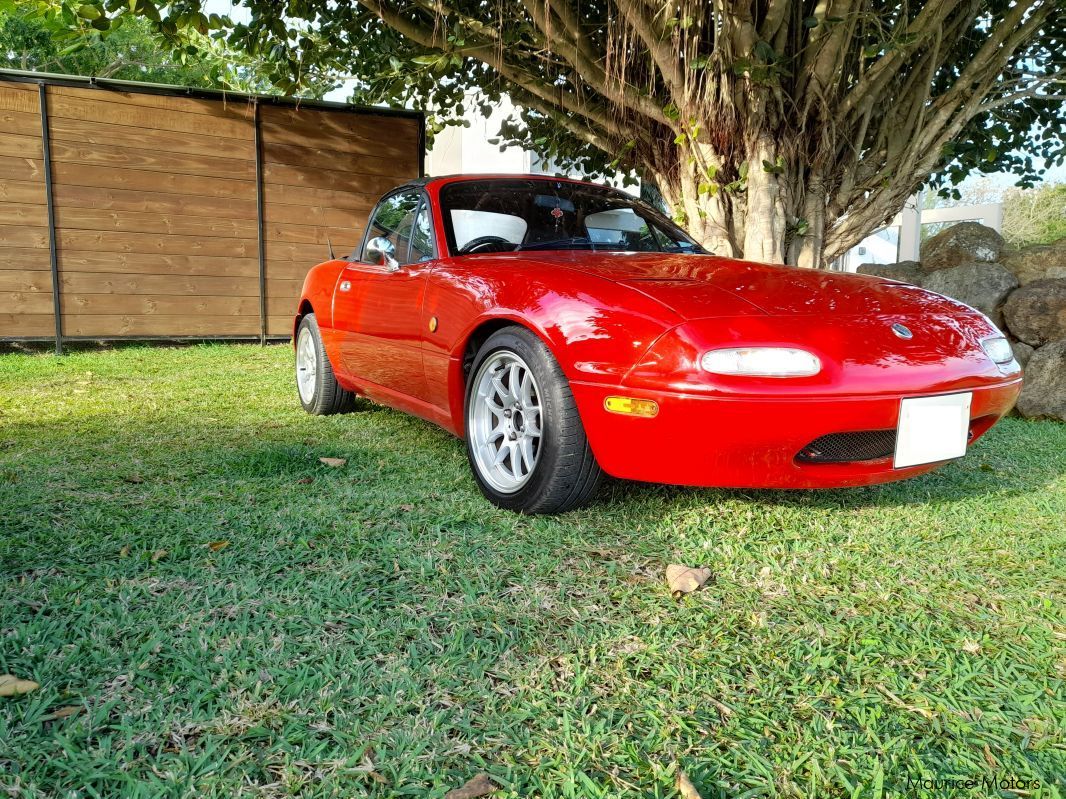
(762, 362)
(998, 349)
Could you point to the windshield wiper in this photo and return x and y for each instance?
(544, 245)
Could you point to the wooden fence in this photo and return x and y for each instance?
(149, 212)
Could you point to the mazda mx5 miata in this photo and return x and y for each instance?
(567, 331)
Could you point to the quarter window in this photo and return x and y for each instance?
(422, 248)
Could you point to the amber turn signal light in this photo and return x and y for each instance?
(630, 406)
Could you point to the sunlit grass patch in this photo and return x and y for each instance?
(378, 629)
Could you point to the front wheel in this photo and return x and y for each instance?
(320, 393)
(524, 438)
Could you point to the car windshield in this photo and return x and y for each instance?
(483, 216)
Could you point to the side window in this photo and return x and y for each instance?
(393, 220)
(422, 248)
(669, 243)
(621, 228)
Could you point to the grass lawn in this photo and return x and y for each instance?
(380, 630)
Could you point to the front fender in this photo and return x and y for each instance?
(595, 328)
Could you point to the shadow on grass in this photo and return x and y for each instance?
(401, 444)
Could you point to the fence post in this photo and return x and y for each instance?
(259, 218)
(46, 146)
(910, 229)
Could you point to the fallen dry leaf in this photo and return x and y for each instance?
(685, 786)
(725, 710)
(925, 713)
(218, 546)
(62, 713)
(481, 785)
(367, 767)
(10, 685)
(336, 463)
(685, 579)
(306, 481)
(990, 759)
(124, 552)
(159, 554)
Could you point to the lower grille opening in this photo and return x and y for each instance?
(865, 445)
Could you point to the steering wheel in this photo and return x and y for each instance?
(481, 242)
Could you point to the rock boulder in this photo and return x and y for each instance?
(1044, 392)
(963, 243)
(1022, 352)
(1036, 313)
(980, 285)
(905, 271)
(1039, 262)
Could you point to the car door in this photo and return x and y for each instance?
(377, 308)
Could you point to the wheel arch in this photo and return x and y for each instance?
(304, 309)
(467, 349)
(481, 333)
(317, 294)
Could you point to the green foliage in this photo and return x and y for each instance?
(1035, 216)
(46, 39)
(379, 630)
(776, 167)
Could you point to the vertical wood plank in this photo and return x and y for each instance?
(257, 128)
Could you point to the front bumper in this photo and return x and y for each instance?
(752, 442)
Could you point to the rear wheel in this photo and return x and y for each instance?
(524, 438)
(319, 391)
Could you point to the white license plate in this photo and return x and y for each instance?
(932, 429)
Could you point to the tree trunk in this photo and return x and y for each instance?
(764, 210)
(757, 208)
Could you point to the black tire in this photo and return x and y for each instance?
(328, 397)
(566, 474)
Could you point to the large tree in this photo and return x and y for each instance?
(776, 130)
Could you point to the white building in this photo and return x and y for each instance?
(466, 150)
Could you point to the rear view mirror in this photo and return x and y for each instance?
(381, 251)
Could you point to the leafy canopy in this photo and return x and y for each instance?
(310, 46)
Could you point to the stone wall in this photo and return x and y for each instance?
(1022, 291)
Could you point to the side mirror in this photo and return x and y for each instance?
(381, 251)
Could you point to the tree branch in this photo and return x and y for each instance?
(664, 58)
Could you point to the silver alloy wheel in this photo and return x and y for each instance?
(504, 421)
(306, 365)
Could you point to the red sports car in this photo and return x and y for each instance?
(567, 330)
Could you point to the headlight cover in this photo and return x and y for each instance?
(761, 362)
(998, 349)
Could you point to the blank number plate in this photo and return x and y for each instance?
(932, 429)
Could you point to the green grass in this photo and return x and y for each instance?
(383, 613)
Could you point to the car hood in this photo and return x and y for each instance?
(693, 286)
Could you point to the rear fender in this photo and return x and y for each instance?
(318, 289)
